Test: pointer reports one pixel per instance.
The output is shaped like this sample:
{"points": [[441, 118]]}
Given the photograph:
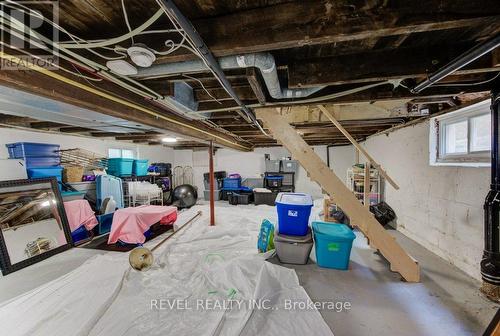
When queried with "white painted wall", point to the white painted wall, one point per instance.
{"points": [[101, 146], [439, 207]]}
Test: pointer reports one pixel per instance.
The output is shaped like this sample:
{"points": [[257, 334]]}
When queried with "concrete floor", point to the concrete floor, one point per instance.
{"points": [[446, 302]]}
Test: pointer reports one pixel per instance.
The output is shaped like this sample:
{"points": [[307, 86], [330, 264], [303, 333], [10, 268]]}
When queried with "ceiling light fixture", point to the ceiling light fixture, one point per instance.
{"points": [[141, 55], [121, 67], [169, 140]]}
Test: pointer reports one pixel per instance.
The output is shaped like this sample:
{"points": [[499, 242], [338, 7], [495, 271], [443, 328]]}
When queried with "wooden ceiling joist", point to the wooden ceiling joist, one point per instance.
{"points": [[310, 22], [381, 65]]}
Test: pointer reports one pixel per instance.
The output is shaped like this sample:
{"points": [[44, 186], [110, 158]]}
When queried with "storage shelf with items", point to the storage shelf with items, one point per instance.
{"points": [[356, 183]]}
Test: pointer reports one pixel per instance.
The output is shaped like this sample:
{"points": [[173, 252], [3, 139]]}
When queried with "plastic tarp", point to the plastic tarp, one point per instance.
{"points": [[214, 278]]}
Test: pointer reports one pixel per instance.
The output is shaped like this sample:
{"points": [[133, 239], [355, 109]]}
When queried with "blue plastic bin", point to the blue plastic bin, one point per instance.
{"points": [[80, 234], [231, 183], [39, 162], [140, 167], [44, 172], [20, 150], [120, 166], [104, 224], [294, 210], [333, 243]]}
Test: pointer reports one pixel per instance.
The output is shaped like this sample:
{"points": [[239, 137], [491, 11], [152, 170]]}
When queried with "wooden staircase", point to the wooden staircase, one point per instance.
{"points": [[360, 216]]}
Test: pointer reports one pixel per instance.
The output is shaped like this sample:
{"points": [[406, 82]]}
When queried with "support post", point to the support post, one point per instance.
{"points": [[490, 264], [366, 186], [356, 145], [211, 181]]}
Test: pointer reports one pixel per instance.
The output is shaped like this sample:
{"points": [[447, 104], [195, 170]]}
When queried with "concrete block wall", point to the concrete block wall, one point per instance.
{"points": [[439, 207]]}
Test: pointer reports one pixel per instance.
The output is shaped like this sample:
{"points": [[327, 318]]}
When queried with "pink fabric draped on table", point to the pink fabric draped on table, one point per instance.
{"points": [[80, 213], [129, 224]]}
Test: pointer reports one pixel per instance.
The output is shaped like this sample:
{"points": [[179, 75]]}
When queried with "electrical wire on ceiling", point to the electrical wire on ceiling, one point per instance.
{"points": [[186, 42], [178, 25], [203, 86], [470, 84]]}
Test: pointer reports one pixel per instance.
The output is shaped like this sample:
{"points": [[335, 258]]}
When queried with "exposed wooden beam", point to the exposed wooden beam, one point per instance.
{"points": [[244, 92], [136, 137], [15, 120], [47, 125], [110, 101], [381, 65], [72, 129], [360, 216], [380, 93], [103, 134], [310, 22], [255, 85]]}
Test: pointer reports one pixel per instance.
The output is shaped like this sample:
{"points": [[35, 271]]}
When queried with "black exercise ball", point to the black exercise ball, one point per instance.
{"points": [[185, 196]]}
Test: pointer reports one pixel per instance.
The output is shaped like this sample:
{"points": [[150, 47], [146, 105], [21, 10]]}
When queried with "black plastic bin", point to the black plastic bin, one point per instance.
{"points": [[268, 198], [273, 181], [218, 175], [239, 198], [163, 168]]}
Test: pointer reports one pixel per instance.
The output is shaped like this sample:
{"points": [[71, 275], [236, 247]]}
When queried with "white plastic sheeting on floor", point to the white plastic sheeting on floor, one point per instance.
{"points": [[206, 281]]}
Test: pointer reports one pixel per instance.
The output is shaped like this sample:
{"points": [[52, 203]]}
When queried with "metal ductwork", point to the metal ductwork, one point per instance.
{"points": [[263, 61]]}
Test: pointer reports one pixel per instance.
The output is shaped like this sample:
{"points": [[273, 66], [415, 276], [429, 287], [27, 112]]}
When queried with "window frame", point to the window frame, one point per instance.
{"points": [[437, 141], [121, 152]]}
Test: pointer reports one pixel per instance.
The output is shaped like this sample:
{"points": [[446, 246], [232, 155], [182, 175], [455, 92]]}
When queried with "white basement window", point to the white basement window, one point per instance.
{"points": [[462, 137], [120, 153]]}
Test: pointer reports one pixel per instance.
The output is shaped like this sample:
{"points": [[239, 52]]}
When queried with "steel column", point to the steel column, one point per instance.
{"points": [[490, 264]]}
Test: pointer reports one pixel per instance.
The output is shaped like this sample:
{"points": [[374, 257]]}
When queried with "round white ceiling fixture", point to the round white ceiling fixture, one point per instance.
{"points": [[169, 139], [121, 67], [141, 55]]}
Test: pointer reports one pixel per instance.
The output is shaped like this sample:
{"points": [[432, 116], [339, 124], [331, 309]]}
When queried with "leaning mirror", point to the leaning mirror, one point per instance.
{"points": [[33, 224]]}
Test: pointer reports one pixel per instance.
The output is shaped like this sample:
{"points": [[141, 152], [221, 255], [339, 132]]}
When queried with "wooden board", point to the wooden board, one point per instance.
{"points": [[330, 116], [360, 216]]}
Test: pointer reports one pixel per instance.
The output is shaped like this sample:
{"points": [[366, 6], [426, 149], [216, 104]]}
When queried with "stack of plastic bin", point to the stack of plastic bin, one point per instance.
{"points": [[42, 160], [293, 239], [219, 176]]}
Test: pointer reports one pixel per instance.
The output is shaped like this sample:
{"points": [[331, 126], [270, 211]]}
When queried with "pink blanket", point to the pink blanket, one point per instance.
{"points": [[79, 213], [129, 224]]}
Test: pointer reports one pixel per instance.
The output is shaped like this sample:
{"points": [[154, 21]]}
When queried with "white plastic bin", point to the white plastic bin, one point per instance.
{"points": [[293, 249]]}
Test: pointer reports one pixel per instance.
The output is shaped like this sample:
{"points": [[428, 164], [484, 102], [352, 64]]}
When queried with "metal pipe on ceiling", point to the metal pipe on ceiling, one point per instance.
{"points": [[264, 61], [205, 54], [458, 63]]}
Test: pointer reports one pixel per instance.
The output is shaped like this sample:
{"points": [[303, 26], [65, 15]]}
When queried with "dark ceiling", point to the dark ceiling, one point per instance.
{"points": [[337, 44]]}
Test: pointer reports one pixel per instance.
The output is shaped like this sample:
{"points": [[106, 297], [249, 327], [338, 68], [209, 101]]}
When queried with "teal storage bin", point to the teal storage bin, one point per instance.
{"points": [[120, 167], [333, 243], [140, 167]]}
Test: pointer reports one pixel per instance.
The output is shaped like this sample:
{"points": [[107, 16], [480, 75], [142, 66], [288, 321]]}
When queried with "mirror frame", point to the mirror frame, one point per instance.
{"points": [[5, 263]]}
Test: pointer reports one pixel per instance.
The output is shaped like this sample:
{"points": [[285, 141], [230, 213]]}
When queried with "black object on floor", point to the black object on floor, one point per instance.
{"points": [[101, 242]]}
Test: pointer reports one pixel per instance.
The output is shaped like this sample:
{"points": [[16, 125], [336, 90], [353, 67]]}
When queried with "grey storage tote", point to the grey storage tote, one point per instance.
{"points": [[273, 166], [293, 249], [289, 166]]}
